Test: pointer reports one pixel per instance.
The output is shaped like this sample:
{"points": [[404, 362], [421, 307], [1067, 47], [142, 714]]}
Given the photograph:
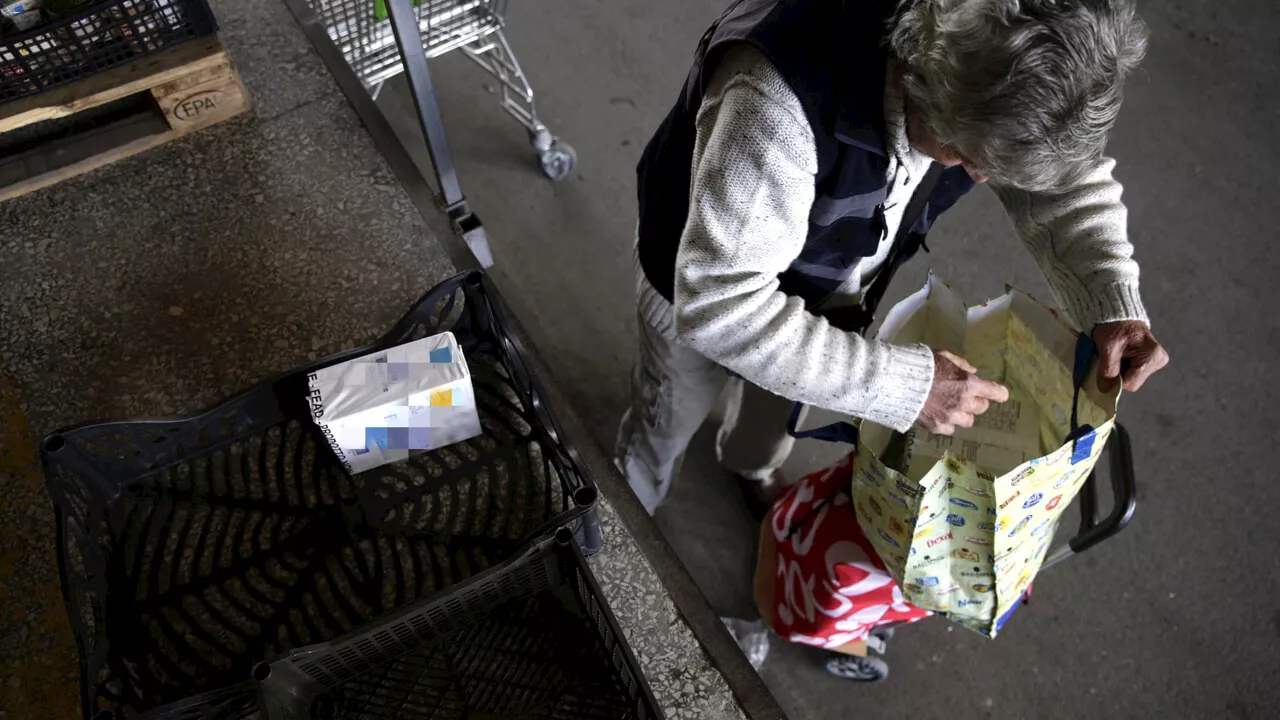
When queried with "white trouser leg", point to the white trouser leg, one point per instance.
{"points": [[753, 440], [673, 389]]}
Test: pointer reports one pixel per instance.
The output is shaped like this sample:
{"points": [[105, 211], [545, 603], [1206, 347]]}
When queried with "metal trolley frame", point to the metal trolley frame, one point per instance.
{"points": [[379, 39]]}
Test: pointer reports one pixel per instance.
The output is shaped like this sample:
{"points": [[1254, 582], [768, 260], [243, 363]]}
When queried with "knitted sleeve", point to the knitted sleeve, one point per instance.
{"points": [[1080, 240], [753, 184]]}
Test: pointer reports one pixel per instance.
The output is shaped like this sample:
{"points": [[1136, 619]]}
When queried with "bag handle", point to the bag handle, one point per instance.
{"points": [[1081, 436], [841, 432]]}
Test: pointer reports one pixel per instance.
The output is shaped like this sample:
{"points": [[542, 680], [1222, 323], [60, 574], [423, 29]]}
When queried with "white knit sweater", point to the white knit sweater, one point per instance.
{"points": [[753, 184]]}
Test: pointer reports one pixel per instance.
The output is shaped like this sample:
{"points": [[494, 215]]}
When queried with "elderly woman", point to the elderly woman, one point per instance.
{"points": [[813, 145]]}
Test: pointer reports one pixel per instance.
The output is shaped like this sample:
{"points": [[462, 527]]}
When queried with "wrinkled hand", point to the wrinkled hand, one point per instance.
{"points": [[958, 394], [1127, 350]]}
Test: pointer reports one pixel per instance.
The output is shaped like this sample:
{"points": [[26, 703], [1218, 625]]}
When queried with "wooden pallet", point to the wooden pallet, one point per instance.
{"points": [[99, 120]]}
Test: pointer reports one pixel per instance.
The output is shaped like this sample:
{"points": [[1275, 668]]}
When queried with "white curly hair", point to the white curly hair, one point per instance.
{"points": [[1025, 90]]}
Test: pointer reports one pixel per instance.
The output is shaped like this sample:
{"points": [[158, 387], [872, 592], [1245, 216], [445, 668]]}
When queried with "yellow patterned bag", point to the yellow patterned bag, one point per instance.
{"points": [[964, 522]]}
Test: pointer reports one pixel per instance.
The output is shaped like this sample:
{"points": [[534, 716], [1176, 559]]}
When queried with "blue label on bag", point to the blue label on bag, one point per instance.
{"points": [[955, 520], [1083, 447], [964, 504]]}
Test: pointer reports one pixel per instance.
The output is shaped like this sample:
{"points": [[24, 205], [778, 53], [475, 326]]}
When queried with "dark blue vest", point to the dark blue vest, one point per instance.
{"points": [[832, 54]]}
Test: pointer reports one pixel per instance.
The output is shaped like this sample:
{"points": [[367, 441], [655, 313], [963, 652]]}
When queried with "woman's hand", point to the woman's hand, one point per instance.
{"points": [[1127, 350], [958, 395]]}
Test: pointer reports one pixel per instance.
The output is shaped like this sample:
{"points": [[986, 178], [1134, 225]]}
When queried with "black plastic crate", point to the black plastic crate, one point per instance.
{"points": [[103, 36], [193, 549], [532, 639]]}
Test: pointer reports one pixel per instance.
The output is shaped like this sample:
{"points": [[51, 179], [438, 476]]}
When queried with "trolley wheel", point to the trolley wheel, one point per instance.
{"points": [[858, 669], [558, 161]]}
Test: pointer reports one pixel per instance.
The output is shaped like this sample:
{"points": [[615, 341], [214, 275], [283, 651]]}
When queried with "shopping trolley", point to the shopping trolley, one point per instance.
{"points": [[368, 43], [379, 39]]}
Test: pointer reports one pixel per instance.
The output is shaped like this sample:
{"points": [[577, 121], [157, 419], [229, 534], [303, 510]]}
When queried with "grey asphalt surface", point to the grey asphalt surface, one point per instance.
{"points": [[1177, 617]]}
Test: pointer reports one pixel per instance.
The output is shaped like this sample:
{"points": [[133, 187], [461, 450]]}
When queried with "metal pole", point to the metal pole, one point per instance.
{"points": [[384, 138], [405, 26]]}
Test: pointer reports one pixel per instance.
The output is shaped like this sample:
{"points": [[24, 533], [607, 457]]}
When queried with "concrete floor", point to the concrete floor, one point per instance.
{"points": [[1177, 617]]}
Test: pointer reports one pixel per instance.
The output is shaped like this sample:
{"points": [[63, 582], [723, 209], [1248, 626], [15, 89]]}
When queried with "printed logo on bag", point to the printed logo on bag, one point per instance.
{"points": [[964, 504], [974, 539], [1004, 523], [895, 527], [871, 479], [977, 573], [966, 554], [955, 467], [1033, 501], [1010, 499], [862, 510], [989, 527], [900, 500], [948, 590], [1053, 503], [1035, 532], [937, 540], [911, 521], [913, 589], [964, 602], [955, 520], [927, 561], [906, 489], [930, 581], [923, 533], [1022, 475], [1021, 524], [1040, 550], [875, 507], [982, 588], [1062, 481], [1022, 583], [900, 558], [985, 476], [888, 538], [976, 491]]}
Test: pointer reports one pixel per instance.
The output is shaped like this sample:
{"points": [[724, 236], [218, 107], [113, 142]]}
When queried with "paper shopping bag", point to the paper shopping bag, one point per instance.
{"points": [[964, 522]]}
